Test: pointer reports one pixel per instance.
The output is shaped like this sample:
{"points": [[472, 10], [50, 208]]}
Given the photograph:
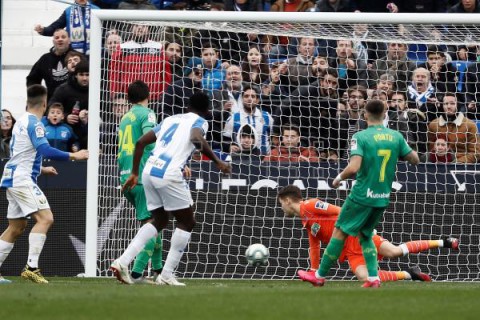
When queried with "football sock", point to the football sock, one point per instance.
{"points": [[141, 261], [5, 249], [179, 242], [35, 247], [370, 255], [157, 257], [420, 245], [331, 254], [393, 275], [147, 232]]}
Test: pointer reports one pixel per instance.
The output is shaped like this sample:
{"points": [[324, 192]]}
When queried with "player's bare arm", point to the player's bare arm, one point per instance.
{"points": [[144, 141], [79, 155], [412, 158], [196, 137], [351, 170]]}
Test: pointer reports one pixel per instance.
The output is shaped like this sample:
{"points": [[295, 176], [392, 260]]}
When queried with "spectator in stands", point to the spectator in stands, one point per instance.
{"points": [[320, 66], [109, 126], [250, 114], [174, 52], [290, 149], [348, 121], [396, 64], [245, 147], [51, 67], [394, 117], [291, 5], [472, 88], [421, 94], [272, 87], [229, 97], [73, 96], [243, 5], [211, 65], [466, 6], [136, 5], [386, 84], [367, 51], [112, 43], [440, 152], [230, 46], [315, 107], [6, 128], [460, 132], [72, 59], [298, 70], [422, 6], [333, 6], [442, 74], [416, 121], [375, 6], [255, 68], [140, 59], [59, 134], [351, 70], [177, 95], [76, 19]]}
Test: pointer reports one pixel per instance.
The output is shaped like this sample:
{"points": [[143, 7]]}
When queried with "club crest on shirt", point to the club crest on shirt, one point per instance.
{"points": [[39, 132], [151, 118], [353, 144], [314, 229]]}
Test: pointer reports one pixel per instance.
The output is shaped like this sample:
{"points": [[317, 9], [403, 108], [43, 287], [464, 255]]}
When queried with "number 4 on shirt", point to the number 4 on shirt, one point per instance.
{"points": [[167, 136]]}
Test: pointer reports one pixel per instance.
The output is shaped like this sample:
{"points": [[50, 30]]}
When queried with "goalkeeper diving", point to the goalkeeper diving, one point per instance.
{"points": [[319, 217]]}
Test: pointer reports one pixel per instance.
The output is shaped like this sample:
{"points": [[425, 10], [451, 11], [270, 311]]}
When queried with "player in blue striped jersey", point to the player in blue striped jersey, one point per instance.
{"points": [[25, 199], [165, 188]]}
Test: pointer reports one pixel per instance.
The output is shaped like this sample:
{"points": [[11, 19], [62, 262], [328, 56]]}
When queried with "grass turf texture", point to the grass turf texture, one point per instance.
{"points": [[75, 298]]}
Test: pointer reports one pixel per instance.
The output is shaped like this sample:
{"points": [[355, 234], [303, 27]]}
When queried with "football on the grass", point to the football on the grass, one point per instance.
{"points": [[257, 255]]}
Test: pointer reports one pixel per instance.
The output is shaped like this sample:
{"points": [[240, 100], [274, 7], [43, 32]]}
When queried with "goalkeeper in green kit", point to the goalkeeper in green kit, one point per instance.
{"points": [[374, 153], [135, 123]]}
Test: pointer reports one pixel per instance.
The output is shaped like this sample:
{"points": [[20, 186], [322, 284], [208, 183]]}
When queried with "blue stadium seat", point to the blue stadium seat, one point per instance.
{"points": [[478, 125], [461, 68], [417, 52]]}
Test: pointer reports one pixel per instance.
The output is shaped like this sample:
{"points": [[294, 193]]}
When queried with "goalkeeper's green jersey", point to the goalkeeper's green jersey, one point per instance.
{"points": [[380, 149], [135, 123]]}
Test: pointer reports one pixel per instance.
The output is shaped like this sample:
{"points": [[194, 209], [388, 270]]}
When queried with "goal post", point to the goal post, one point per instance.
{"points": [[234, 212]]}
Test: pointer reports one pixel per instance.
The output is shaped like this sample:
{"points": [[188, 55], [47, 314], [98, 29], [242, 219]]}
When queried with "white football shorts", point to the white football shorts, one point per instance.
{"points": [[23, 201], [170, 194]]}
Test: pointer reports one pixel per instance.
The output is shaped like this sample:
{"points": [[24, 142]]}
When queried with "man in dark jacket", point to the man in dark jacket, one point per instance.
{"points": [[51, 67], [466, 6]]}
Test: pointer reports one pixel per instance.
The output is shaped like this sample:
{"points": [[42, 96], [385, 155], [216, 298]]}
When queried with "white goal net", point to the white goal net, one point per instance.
{"points": [[269, 83]]}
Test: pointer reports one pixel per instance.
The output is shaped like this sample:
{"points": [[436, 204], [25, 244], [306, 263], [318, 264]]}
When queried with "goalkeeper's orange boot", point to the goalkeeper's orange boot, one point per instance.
{"points": [[418, 275], [450, 242], [310, 277], [372, 284]]}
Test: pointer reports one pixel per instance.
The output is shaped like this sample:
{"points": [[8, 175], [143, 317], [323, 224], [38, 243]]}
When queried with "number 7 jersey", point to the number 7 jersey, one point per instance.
{"points": [[380, 149], [173, 147]]}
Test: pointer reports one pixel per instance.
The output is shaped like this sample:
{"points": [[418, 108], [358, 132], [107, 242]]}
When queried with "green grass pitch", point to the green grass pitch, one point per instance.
{"points": [[77, 298]]}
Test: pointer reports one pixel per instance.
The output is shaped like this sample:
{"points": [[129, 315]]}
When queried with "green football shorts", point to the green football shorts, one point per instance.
{"points": [[136, 197], [355, 218]]}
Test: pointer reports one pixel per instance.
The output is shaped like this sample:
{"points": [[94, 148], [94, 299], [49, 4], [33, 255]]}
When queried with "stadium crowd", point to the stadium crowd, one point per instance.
{"points": [[274, 98]]}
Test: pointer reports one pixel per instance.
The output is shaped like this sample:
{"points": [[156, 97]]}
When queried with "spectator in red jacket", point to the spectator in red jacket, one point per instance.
{"points": [[140, 59], [290, 149]]}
